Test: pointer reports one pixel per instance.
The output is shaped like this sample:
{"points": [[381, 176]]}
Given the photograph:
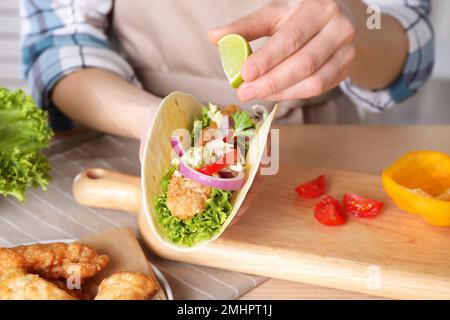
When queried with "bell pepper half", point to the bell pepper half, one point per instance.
{"points": [[419, 183]]}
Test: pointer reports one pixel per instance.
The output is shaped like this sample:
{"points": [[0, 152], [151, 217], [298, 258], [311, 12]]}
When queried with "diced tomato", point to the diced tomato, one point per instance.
{"points": [[312, 189], [226, 160], [329, 212], [360, 206]]}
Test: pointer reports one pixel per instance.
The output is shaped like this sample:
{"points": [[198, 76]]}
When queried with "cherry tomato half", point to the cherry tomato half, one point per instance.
{"points": [[226, 160], [329, 212], [361, 207], [312, 189]]}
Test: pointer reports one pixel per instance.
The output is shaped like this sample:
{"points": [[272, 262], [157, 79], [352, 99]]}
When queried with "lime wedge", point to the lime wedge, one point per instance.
{"points": [[234, 50]]}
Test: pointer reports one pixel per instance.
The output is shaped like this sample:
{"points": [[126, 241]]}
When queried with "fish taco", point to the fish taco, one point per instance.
{"points": [[201, 162]]}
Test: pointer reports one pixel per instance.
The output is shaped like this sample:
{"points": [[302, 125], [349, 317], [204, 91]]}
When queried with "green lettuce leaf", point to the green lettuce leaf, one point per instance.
{"points": [[202, 226], [24, 132], [206, 120], [243, 124]]}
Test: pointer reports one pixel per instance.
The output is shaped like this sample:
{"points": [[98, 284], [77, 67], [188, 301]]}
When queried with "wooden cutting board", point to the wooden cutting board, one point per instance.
{"points": [[394, 255]]}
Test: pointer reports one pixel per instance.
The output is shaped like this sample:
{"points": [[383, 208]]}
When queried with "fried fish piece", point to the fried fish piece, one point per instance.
{"points": [[9, 259], [127, 286], [186, 198], [17, 284], [78, 294], [230, 109], [56, 260]]}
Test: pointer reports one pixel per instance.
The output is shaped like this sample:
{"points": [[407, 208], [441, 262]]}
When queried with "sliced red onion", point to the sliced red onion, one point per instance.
{"points": [[177, 146], [226, 174], [235, 183]]}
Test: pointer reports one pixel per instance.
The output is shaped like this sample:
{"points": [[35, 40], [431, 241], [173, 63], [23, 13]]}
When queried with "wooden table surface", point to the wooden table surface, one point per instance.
{"points": [[366, 149]]}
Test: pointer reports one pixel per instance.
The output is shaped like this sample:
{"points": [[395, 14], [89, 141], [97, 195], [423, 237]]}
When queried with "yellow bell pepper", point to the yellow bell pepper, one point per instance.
{"points": [[419, 183]]}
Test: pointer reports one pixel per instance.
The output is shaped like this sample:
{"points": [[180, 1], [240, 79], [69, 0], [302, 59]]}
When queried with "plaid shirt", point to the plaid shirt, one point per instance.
{"points": [[62, 36]]}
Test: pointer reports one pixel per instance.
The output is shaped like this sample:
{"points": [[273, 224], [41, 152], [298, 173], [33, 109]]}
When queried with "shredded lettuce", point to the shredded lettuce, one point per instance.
{"points": [[202, 226], [23, 133], [243, 124], [243, 127], [206, 120]]}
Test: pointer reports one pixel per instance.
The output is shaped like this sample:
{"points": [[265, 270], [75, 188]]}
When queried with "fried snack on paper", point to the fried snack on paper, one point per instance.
{"points": [[76, 293], [127, 286], [16, 284], [21, 269], [9, 259], [17, 266], [60, 260]]}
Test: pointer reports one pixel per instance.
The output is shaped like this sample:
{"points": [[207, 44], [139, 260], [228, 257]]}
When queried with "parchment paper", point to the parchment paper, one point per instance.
{"points": [[125, 254]]}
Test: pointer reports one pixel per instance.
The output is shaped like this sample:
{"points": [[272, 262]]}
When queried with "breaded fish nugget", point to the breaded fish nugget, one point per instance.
{"points": [[127, 286], [16, 284], [61, 260], [9, 259]]}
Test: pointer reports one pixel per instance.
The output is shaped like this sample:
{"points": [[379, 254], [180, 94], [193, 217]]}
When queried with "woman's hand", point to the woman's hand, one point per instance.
{"points": [[309, 51]]}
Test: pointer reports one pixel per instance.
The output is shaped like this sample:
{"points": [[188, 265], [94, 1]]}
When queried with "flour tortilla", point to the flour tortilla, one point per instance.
{"points": [[180, 110]]}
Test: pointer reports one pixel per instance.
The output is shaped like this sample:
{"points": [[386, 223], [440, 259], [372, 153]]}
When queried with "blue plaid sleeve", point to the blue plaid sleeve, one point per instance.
{"points": [[413, 16], [60, 37]]}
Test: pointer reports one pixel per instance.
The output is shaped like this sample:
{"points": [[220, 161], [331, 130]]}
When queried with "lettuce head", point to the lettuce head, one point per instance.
{"points": [[24, 132]]}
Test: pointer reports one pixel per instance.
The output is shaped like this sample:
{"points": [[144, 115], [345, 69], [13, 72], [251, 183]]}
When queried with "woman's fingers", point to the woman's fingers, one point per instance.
{"points": [[301, 64], [253, 26], [304, 56], [284, 42], [327, 77]]}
